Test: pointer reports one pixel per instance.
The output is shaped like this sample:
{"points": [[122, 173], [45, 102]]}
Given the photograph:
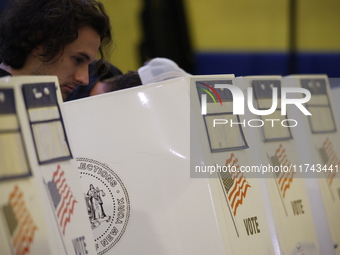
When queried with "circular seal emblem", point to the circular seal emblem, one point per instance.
{"points": [[107, 202]]}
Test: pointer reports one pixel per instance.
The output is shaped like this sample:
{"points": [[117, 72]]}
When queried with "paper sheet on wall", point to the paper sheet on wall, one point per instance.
{"points": [[280, 132], [322, 119], [13, 158], [221, 137], [46, 123]]}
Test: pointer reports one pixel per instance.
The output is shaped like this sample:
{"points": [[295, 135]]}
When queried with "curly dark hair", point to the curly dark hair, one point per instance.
{"points": [[25, 24], [124, 81]]}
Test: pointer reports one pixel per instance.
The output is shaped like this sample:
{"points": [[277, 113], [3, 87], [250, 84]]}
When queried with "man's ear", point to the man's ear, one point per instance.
{"points": [[38, 51]]}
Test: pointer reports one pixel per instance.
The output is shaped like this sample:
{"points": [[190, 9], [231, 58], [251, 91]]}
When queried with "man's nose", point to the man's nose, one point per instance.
{"points": [[82, 75]]}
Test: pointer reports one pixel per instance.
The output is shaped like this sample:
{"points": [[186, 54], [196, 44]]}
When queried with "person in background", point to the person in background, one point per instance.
{"points": [[160, 69], [154, 70], [119, 82], [54, 37]]}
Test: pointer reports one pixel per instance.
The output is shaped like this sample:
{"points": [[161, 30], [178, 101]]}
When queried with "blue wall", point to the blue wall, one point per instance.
{"points": [[242, 64]]}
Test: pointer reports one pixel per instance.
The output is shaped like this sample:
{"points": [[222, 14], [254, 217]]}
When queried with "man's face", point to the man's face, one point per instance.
{"points": [[72, 66]]}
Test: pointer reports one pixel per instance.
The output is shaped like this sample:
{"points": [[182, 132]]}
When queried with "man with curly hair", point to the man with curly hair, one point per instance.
{"points": [[53, 37]]}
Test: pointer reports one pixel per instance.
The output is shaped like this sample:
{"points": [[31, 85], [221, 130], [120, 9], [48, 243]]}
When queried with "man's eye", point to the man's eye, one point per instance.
{"points": [[78, 60]]}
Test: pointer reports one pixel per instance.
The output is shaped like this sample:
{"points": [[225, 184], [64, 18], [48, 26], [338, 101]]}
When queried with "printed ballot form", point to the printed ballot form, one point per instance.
{"points": [[42, 205], [319, 140]]}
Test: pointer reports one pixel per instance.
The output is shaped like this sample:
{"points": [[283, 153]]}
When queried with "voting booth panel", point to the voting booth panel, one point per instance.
{"points": [[319, 138], [42, 203], [237, 196], [277, 150], [163, 169], [137, 160], [335, 95], [134, 145]]}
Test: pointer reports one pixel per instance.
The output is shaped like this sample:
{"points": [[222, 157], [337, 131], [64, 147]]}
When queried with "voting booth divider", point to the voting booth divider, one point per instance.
{"points": [[42, 208], [277, 148], [237, 196], [174, 167], [141, 138], [318, 138]]}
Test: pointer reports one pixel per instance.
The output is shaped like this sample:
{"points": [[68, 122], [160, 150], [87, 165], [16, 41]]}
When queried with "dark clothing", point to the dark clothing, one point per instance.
{"points": [[4, 73], [84, 91]]}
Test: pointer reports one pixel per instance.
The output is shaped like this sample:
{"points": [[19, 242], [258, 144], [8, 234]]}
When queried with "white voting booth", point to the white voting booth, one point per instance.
{"points": [[141, 164], [139, 138], [42, 208]]}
